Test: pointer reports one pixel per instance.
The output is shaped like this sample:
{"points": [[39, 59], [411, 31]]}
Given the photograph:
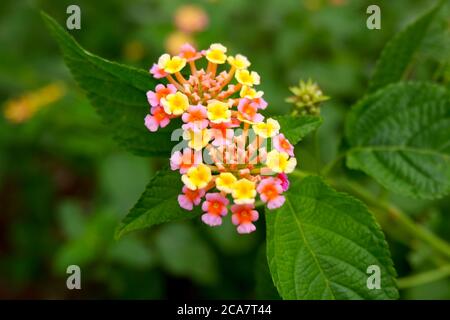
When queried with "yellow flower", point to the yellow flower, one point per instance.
{"points": [[267, 129], [216, 53], [239, 62], [175, 103], [218, 111], [247, 78], [197, 177], [171, 64], [279, 162], [225, 182], [244, 191], [197, 139], [250, 93]]}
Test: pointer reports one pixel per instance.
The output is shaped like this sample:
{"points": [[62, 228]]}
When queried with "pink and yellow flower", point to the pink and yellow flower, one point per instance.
{"points": [[224, 162], [157, 119], [190, 198], [189, 53], [243, 217], [171, 64], [157, 72], [195, 117], [284, 181], [270, 190], [283, 145], [248, 111], [161, 91], [215, 207], [184, 160]]}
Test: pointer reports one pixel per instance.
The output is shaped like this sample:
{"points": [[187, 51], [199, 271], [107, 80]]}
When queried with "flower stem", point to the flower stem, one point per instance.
{"points": [[402, 219], [423, 278], [332, 164]]}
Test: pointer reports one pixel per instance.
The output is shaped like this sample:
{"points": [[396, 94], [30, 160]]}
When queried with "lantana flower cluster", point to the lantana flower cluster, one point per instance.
{"points": [[233, 158]]}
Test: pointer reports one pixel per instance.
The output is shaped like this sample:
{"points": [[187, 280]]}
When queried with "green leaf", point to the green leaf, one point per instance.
{"points": [[400, 136], [296, 127], [321, 242], [158, 204], [397, 54], [118, 93]]}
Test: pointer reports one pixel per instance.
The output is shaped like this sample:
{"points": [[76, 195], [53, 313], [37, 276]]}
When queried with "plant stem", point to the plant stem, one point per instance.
{"points": [[317, 151], [332, 164], [423, 278], [402, 219]]}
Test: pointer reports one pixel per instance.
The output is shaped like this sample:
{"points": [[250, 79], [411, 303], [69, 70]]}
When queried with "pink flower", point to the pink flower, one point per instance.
{"points": [[260, 103], [243, 216], [157, 72], [183, 161], [284, 180], [215, 207], [154, 98], [269, 190], [195, 118], [190, 198], [283, 145], [158, 119], [188, 52], [249, 111], [222, 133]]}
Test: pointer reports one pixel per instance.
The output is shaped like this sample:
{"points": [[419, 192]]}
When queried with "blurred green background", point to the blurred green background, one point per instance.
{"points": [[64, 184]]}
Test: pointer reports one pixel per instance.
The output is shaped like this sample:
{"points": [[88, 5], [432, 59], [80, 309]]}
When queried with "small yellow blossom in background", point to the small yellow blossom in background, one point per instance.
{"points": [[23, 108], [225, 182], [307, 98], [279, 162], [313, 5], [133, 51], [191, 18], [267, 129], [197, 177], [175, 41], [338, 2], [244, 191]]}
